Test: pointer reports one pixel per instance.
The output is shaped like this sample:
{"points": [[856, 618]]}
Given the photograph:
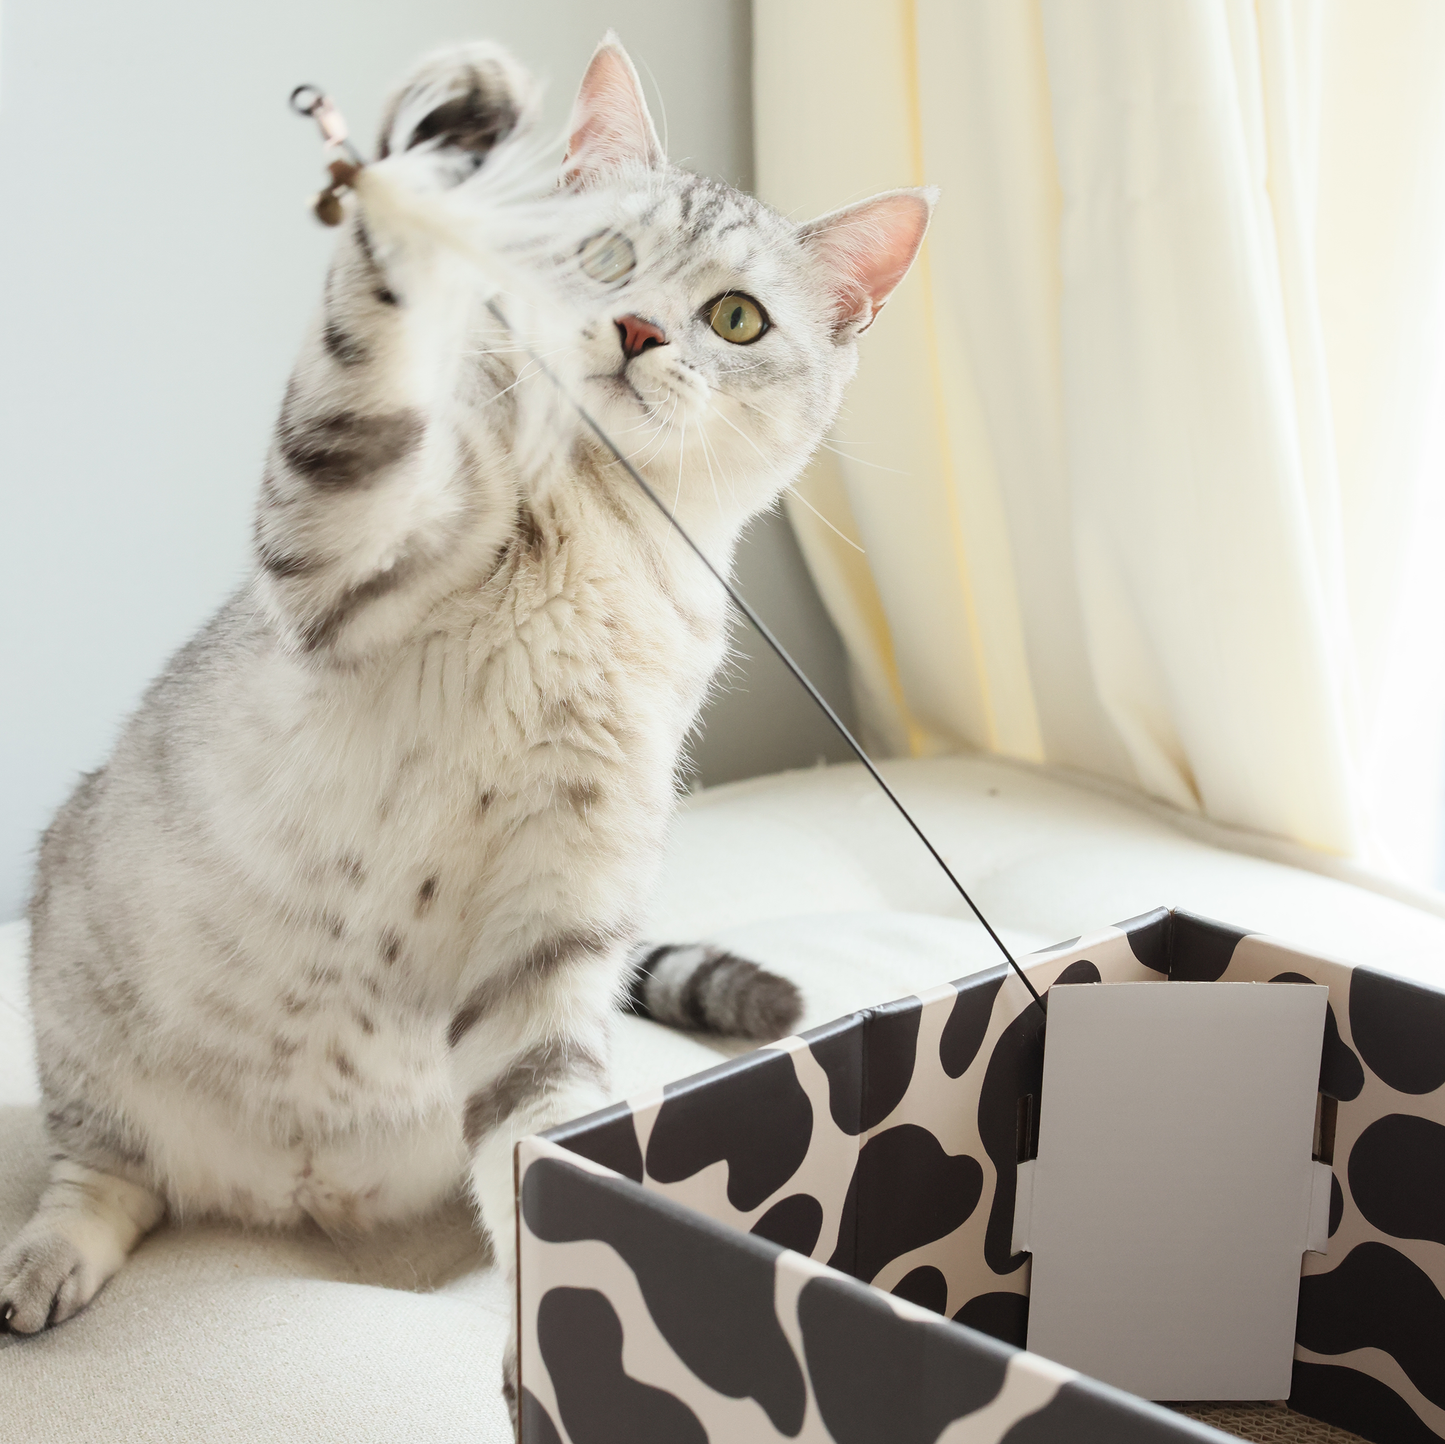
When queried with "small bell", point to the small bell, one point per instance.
{"points": [[327, 206]]}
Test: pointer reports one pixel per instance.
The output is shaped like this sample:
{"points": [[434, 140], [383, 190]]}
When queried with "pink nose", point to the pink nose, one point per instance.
{"points": [[639, 335]]}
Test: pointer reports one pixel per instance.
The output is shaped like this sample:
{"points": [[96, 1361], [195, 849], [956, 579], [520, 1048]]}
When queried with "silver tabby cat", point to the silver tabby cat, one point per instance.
{"points": [[350, 907]]}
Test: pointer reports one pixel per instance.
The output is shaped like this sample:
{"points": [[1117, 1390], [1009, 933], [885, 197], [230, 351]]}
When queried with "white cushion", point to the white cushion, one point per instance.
{"points": [[210, 1333]]}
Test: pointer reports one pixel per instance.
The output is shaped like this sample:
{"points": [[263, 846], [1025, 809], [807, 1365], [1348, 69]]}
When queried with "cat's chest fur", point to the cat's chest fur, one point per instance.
{"points": [[415, 824]]}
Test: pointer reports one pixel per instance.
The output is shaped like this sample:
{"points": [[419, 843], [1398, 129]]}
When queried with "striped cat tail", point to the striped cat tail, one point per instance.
{"points": [[706, 989]]}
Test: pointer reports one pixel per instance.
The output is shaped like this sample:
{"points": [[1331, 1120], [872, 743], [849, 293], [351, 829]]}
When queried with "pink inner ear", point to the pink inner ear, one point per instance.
{"points": [[869, 248], [610, 120]]}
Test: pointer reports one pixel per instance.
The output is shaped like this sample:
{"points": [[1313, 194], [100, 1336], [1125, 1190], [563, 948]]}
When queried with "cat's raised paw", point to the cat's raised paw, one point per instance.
{"points": [[466, 99]]}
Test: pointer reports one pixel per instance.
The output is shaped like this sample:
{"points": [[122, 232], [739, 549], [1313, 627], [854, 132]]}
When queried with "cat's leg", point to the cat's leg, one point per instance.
{"points": [[86, 1224], [552, 1068], [550, 1084], [381, 494]]}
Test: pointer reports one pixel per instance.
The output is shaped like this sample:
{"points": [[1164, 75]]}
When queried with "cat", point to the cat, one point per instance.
{"points": [[350, 906]]}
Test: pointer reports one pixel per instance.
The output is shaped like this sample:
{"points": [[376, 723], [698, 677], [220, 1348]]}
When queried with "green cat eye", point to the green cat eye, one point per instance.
{"points": [[737, 318], [607, 257]]}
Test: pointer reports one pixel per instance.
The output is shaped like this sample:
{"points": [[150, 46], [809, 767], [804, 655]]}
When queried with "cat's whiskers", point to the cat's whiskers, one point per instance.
{"points": [[792, 490], [721, 417], [648, 418], [532, 369], [727, 477], [826, 445], [658, 437], [666, 434], [712, 476], [859, 461]]}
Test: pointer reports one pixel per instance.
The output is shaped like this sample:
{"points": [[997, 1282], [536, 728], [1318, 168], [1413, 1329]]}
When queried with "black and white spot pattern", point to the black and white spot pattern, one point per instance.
{"points": [[725, 1298]]}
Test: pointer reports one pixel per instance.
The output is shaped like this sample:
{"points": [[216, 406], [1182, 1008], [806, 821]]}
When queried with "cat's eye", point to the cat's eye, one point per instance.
{"points": [[737, 318], [608, 257]]}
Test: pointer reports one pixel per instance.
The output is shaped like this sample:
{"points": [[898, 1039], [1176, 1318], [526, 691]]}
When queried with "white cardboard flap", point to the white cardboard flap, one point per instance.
{"points": [[1023, 1208], [1174, 1193], [1321, 1186]]}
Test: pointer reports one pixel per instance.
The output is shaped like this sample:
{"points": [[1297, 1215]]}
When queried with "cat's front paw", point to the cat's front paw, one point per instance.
{"points": [[44, 1278], [465, 99]]}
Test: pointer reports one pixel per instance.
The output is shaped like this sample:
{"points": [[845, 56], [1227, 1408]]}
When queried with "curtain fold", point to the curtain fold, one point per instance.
{"points": [[1144, 458]]}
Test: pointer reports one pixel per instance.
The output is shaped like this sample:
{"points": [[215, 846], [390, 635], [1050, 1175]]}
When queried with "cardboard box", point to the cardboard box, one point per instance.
{"points": [[696, 1265]]}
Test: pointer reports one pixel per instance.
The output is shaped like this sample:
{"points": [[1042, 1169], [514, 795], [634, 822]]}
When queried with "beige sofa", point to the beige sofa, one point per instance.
{"points": [[216, 1335]]}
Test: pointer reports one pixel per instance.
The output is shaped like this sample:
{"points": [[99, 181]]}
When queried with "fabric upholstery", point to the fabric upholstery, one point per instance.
{"points": [[211, 1333]]}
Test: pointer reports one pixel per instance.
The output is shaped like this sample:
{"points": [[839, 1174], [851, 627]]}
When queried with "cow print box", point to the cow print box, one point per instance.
{"points": [[695, 1265]]}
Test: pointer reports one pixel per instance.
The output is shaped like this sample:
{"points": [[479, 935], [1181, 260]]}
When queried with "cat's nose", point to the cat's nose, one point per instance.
{"points": [[639, 335]]}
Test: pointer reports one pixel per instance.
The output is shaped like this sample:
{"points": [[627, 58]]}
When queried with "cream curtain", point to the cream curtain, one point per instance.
{"points": [[1144, 457]]}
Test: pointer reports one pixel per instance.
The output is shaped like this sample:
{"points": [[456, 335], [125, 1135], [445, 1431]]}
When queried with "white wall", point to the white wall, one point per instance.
{"points": [[159, 266]]}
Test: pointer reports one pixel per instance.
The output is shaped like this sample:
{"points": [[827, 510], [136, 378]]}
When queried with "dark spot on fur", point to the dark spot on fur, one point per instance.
{"points": [[473, 122], [465, 1019], [284, 1047], [536, 1070], [529, 534], [281, 565], [363, 242], [484, 801], [386, 296], [390, 947], [340, 1060], [352, 869], [535, 966], [321, 630], [547, 957], [364, 1022], [334, 925], [344, 348], [581, 796], [426, 892], [293, 1004], [348, 448], [94, 1135]]}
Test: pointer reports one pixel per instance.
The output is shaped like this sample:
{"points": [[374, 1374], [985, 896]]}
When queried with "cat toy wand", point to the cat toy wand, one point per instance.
{"points": [[309, 100]]}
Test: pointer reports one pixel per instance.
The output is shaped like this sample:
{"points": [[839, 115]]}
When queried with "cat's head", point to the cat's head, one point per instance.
{"points": [[730, 334]]}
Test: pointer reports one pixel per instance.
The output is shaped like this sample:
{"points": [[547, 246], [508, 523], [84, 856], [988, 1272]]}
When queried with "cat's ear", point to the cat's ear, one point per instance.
{"points": [[866, 250], [610, 122]]}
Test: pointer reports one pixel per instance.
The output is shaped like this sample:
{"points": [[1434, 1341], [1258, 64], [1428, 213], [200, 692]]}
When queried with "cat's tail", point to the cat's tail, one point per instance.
{"points": [[703, 988]]}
